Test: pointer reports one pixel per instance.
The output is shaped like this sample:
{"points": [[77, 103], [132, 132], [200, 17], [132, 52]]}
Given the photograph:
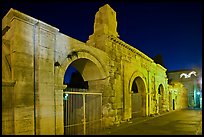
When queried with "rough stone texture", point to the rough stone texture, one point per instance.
{"points": [[30, 50], [8, 108], [178, 93]]}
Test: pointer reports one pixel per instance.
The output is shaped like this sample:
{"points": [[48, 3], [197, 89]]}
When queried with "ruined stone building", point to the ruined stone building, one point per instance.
{"points": [[35, 56]]}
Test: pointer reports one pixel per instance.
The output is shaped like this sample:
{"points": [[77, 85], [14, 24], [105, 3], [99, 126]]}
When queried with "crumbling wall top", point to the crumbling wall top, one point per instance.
{"points": [[105, 21]]}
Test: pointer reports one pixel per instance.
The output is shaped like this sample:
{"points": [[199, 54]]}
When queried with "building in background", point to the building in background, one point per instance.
{"points": [[192, 80], [178, 96]]}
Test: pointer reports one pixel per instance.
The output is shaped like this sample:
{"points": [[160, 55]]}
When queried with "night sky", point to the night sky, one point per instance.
{"points": [[170, 29]]}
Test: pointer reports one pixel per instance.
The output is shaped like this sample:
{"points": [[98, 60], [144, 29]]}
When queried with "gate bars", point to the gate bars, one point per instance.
{"points": [[82, 112]]}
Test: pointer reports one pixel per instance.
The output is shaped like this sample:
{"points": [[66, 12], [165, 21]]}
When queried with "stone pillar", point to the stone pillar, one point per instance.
{"points": [[32, 62], [147, 106], [21, 47], [45, 104], [127, 108], [59, 110], [157, 102], [148, 94]]}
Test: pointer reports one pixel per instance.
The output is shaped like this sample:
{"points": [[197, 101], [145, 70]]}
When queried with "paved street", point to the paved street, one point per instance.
{"points": [[180, 122]]}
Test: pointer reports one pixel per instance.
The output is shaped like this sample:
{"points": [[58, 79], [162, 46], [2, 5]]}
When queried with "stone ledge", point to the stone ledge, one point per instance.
{"points": [[8, 83], [15, 14]]}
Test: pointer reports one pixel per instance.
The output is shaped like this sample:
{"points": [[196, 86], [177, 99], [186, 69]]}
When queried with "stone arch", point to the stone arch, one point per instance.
{"points": [[138, 99], [90, 67], [93, 71], [6, 68]]}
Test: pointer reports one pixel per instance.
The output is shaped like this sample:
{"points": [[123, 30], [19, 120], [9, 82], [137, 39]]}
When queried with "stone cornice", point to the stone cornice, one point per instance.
{"points": [[15, 14], [161, 67], [129, 47], [8, 83]]}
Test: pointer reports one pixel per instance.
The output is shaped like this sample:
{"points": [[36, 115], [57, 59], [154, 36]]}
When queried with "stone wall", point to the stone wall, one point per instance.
{"points": [[32, 64], [179, 94], [108, 64], [8, 108], [123, 63]]}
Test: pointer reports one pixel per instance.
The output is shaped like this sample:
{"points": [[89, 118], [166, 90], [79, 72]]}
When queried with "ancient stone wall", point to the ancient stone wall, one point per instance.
{"points": [[36, 56], [32, 69], [124, 62]]}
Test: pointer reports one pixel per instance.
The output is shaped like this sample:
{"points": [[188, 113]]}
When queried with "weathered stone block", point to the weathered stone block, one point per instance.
{"points": [[45, 64], [46, 125], [59, 120], [8, 127], [7, 97], [24, 120], [46, 39], [45, 92], [22, 59], [24, 94], [23, 74], [46, 111], [60, 56], [22, 45], [59, 99], [23, 29], [62, 43], [45, 76], [45, 53], [24, 99]]}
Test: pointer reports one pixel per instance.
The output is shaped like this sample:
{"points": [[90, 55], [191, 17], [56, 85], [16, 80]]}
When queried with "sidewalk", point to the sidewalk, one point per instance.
{"points": [[129, 123]]}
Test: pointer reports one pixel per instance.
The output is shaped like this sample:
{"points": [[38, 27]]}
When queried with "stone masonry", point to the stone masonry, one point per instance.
{"points": [[32, 85]]}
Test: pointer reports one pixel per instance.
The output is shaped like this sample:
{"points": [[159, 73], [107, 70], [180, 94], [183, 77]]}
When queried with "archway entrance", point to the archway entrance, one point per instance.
{"points": [[82, 98], [173, 104], [138, 97], [161, 98]]}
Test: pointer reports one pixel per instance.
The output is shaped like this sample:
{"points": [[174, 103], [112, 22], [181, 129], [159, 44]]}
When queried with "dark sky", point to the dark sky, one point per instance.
{"points": [[170, 29]]}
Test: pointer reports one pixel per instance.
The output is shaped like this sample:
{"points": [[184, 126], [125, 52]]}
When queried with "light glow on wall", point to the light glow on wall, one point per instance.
{"points": [[200, 81], [188, 75], [198, 93]]}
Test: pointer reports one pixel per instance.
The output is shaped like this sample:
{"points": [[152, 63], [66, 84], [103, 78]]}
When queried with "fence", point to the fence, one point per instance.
{"points": [[82, 112]]}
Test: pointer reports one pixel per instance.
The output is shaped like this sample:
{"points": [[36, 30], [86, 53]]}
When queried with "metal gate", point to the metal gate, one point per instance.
{"points": [[82, 112]]}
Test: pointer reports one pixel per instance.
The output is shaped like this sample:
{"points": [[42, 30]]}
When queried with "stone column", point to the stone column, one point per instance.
{"points": [[21, 47], [59, 109], [148, 94], [58, 89], [147, 104], [126, 95], [44, 78], [150, 104]]}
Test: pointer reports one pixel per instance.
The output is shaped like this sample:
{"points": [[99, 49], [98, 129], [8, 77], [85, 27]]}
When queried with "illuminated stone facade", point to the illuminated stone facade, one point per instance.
{"points": [[36, 56], [178, 96], [191, 81]]}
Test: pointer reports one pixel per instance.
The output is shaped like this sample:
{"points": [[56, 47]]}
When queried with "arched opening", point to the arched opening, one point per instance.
{"points": [[82, 75], [173, 104], [161, 98], [138, 97], [74, 80]]}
